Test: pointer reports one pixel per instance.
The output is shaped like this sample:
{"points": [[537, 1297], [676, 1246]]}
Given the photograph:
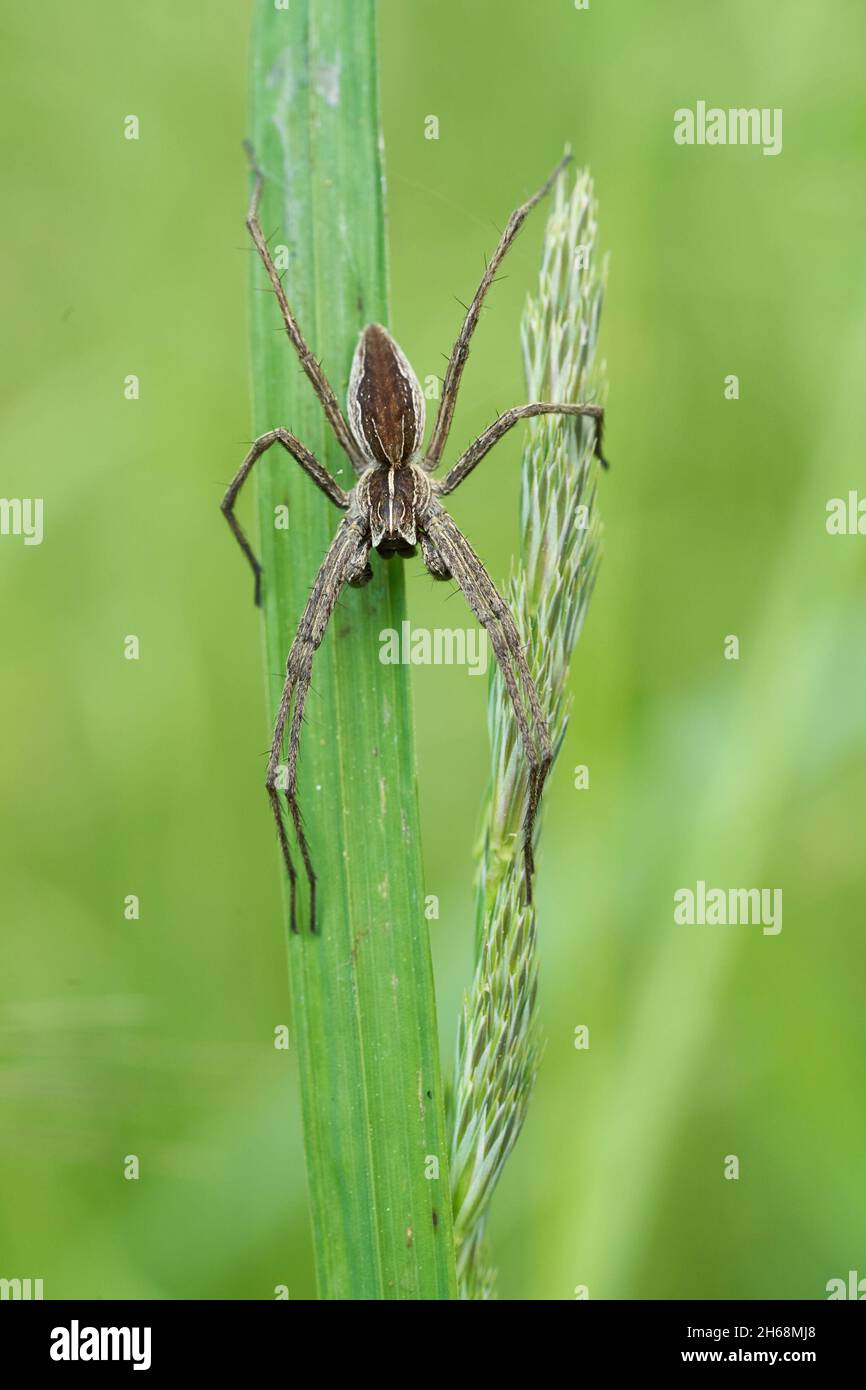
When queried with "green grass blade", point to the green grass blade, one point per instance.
{"points": [[362, 991]]}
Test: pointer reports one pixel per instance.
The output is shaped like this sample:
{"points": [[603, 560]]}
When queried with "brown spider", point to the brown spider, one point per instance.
{"points": [[392, 508]]}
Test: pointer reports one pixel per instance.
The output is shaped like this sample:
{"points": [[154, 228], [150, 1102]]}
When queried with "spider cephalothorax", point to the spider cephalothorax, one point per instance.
{"points": [[394, 507]]}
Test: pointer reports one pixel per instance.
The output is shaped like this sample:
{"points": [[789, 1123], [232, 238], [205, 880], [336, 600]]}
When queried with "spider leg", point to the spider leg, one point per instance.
{"points": [[311, 467], [460, 351], [346, 558], [285, 849], [492, 435], [302, 688], [493, 613], [434, 562], [309, 362]]}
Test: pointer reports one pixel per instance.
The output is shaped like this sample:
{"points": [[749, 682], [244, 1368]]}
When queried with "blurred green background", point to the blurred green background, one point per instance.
{"points": [[155, 1037]]}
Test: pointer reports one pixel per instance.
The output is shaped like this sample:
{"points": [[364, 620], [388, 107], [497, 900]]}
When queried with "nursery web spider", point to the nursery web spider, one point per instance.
{"points": [[393, 507]]}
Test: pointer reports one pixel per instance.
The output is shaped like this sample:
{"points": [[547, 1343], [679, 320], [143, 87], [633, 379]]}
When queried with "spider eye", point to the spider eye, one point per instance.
{"points": [[386, 407]]}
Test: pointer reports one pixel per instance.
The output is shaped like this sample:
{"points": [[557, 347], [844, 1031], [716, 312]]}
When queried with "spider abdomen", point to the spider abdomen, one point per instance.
{"points": [[385, 401]]}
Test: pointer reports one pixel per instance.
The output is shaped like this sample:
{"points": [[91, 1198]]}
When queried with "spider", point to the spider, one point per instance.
{"points": [[393, 507]]}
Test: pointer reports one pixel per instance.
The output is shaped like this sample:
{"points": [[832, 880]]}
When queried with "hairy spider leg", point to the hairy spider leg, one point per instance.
{"points": [[344, 563], [308, 360], [311, 467], [495, 616], [460, 351], [492, 435]]}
